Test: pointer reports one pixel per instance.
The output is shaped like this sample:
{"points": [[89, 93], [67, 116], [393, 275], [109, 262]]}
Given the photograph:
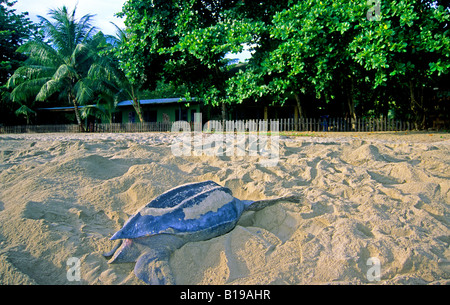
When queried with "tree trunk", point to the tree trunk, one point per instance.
{"points": [[77, 112], [351, 102], [137, 107], [351, 105], [299, 106], [417, 108], [299, 109], [224, 112]]}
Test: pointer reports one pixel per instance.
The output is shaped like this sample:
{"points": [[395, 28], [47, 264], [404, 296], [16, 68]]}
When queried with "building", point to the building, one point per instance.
{"points": [[154, 110], [175, 109], [158, 110]]}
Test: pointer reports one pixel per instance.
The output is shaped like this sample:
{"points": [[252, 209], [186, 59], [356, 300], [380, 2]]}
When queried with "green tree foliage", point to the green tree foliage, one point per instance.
{"points": [[353, 56], [15, 29], [331, 50], [184, 42], [307, 54], [129, 84], [408, 49], [345, 56], [104, 79]]}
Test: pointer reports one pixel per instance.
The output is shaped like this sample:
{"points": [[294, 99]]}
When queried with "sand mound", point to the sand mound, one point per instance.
{"points": [[362, 197]]}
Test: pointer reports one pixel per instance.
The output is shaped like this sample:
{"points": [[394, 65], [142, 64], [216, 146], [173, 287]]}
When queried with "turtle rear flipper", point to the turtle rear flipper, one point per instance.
{"points": [[153, 268], [261, 204]]}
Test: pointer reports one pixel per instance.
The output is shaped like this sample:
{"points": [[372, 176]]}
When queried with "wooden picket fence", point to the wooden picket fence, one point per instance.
{"points": [[303, 124], [132, 127], [343, 124], [68, 128]]}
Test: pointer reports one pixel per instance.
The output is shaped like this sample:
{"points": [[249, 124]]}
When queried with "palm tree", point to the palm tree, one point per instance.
{"points": [[127, 88], [105, 79], [61, 65]]}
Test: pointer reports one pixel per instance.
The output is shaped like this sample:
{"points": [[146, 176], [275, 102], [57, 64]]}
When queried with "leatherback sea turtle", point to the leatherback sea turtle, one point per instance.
{"points": [[188, 213]]}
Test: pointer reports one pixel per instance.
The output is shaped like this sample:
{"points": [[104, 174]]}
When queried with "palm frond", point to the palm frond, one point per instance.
{"points": [[26, 73], [103, 71], [24, 110], [27, 90], [84, 92], [53, 32], [84, 28], [40, 53], [81, 55], [65, 33], [93, 110], [121, 35], [65, 73], [49, 88]]}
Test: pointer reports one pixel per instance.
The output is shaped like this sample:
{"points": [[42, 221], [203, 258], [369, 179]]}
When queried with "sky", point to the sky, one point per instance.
{"points": [[103, 9]]}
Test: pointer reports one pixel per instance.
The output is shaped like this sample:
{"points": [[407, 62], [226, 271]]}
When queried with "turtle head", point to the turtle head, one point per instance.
{"points": [[118, 235], [129, 230]]}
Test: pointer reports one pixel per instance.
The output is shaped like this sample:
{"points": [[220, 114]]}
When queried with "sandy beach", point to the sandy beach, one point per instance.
{"points": [[363, 195]]}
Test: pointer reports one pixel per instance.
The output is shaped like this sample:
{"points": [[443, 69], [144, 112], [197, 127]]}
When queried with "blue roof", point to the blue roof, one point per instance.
{"points": [[130, 103], [156, 101], [61, 108]]}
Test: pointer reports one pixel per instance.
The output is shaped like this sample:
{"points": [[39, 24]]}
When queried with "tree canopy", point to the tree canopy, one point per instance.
{"points": [[352, 56], [15, 29], [348, 58], [65, 64]]}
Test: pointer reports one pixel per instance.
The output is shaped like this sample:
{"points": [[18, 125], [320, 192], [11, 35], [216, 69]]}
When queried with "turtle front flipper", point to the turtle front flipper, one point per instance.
{"points": [[127, 251], [109, 254], [153, 268]]}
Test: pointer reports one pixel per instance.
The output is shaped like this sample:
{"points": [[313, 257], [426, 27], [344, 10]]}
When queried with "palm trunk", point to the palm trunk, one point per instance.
{"points": [[77, 112]]}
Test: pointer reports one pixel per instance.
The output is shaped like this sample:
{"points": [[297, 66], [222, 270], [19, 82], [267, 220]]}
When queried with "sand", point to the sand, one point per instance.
{"points": [[363, 195]]}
